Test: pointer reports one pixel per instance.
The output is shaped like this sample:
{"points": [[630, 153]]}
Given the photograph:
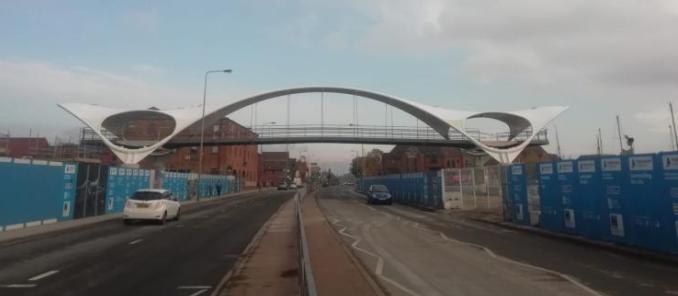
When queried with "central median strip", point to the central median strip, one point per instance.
{"points": [[335, 269], [268, 265]]}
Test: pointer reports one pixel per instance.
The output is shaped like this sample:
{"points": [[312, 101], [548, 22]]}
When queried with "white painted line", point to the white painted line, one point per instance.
{"points": [[33, 223], [505, 259], [42, 276], [18, 286], [56, 163], [39, 162], [14, 226], [134, 242], [193, 287], [22, 161], [5, 159], [199, 292], [379, 268], [49, 221], [201, 289], [671, 292]]}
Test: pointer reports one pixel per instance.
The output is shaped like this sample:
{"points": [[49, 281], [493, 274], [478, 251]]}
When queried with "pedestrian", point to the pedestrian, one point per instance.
{"points": [[258, 186]]}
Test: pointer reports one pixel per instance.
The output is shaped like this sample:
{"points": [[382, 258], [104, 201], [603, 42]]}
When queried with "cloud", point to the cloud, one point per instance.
{"points": [[600, 43], [30, 91]]}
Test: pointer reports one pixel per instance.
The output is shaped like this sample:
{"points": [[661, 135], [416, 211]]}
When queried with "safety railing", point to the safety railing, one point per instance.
{"points": [[306, 279]]}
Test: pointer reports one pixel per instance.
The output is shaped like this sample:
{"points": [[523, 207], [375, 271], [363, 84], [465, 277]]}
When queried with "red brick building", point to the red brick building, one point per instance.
{"points": [[22, 147], [404, 159], [238, 160], [274, 168]]}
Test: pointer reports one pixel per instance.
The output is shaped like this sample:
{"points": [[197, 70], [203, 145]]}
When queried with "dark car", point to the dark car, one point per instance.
{"points": [[378, 194]]}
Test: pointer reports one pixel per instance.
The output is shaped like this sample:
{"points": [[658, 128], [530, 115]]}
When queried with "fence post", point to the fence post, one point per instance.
{"points": [[473, 181], [487, 185], [461, 190]]}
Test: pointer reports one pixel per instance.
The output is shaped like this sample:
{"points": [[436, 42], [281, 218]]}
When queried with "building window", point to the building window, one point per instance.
{"points": [[215, 149]]}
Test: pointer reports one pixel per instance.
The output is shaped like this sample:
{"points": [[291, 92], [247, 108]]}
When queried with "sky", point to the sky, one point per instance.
{"points": [[601, 58]]}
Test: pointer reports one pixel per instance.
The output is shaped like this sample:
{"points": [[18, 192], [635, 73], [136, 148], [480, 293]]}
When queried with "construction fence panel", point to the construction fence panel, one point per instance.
{"points": [[35, 192]]}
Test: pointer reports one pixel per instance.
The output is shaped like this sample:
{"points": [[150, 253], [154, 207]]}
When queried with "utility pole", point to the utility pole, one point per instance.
{"points": [[673, 142], [621, 147], [558, 142], [673, 122], [600, 142]]}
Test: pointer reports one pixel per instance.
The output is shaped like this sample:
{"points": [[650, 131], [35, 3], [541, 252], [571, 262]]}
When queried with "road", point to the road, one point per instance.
{"points": [[413, 252], [108, 258]]}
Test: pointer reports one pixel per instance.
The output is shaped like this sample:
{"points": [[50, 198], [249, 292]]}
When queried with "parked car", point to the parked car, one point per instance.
{"points": [[151, 204], [293, 186], [282, 186], [379, 194]]}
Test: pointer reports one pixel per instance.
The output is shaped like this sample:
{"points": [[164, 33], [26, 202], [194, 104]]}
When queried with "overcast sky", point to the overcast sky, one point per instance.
{"points": [[600, 57]]}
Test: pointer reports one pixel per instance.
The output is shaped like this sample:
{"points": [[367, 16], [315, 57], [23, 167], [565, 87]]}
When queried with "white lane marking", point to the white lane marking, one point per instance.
{"points": [[671, 292], [201, 289], [505, 259], [19, 286], [199, 292], [134, 242], [498, 257], [379, 269], [193, 287], [43, 275]]}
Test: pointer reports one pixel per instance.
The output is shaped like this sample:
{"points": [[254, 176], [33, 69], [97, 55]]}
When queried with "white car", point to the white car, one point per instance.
{"points": [[151, 204], [293, 186]]}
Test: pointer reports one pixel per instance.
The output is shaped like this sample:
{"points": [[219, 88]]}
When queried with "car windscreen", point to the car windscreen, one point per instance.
{"points": [[145, 195], [379, 188]]}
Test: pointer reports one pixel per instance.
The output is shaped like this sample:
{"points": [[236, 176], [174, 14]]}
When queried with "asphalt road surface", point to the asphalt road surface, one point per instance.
{"points": [[413, 252], [186, 257]]}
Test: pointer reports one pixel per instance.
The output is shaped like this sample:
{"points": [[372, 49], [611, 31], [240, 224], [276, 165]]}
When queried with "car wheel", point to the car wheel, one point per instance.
{"points": [[164, 218], [178, 215], [126, 221]]}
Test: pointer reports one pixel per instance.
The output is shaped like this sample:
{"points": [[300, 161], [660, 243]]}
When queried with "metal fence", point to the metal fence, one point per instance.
{"points": [[478, 188], [306, 279]]}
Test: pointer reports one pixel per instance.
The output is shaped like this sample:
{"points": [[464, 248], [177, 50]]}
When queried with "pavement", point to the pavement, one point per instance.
{"points": [[271, 267], [414, 252], [186, 257]]}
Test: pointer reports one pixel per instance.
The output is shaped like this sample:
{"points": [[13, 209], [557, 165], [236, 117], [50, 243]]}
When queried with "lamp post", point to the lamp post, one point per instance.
{"points": [[202, 126]]}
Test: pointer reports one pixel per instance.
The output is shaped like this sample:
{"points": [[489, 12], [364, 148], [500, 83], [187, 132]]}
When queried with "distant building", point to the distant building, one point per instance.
{"points": [[239, 160], [274, 168], [404, 159], [19, 147]]}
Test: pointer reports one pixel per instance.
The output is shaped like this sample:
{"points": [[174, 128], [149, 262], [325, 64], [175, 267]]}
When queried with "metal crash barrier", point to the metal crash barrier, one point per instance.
{"points": [[306, 280]]}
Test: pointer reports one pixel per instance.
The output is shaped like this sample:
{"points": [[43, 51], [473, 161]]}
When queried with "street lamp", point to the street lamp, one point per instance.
{"points": [[202, 126]]}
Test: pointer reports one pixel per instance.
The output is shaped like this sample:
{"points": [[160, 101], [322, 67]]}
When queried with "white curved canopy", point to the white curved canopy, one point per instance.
{"points": [[440, 119]]}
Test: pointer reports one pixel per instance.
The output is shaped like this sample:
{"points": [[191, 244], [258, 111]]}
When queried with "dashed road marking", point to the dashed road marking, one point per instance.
{"points": [[200, 289], [134, 242], [19, 286], [43, 275]]}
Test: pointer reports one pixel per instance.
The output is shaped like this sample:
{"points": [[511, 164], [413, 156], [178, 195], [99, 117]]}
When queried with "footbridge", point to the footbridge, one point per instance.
{"points": [[440, 126]]}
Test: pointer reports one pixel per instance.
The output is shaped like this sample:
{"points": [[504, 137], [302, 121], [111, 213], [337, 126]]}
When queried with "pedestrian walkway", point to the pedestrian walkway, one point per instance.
{"points": [[271, 268], [335, 271]]}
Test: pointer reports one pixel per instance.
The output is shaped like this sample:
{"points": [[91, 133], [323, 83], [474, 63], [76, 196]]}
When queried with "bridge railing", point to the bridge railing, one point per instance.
{"points": [[342, 131]]}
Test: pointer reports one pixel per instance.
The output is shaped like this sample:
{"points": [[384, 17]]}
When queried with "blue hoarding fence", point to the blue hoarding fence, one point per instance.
{"points": [[122, 183], [422, 189], [35, 192], [518, 194], [631, 200]]}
